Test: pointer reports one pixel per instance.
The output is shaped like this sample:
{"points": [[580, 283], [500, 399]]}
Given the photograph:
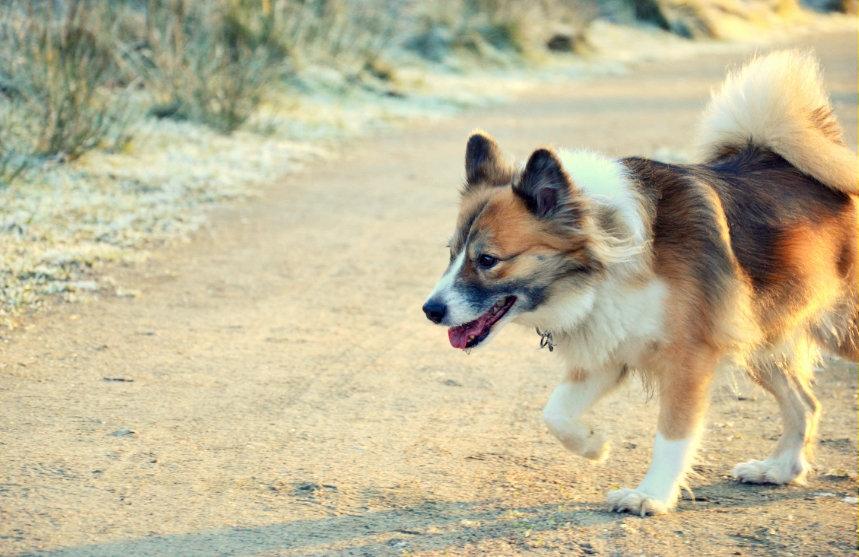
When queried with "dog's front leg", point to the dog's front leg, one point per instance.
{"points": [[570, 400], [683, 396]]}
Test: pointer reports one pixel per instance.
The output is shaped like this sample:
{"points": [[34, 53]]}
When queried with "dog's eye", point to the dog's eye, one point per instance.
{"points": [[485, 261]]}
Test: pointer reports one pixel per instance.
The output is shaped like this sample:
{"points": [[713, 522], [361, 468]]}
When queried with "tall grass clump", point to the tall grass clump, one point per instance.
{"points": [[211, 62], [479, 27], [70, 69], [347, 35], [60, 95], [208, 62]]}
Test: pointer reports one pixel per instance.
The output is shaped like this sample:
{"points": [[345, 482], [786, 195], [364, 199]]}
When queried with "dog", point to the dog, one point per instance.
{"points": [[745, 260]]}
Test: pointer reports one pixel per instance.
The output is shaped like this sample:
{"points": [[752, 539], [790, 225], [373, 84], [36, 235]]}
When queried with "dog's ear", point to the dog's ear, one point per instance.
{"points": [[484, 163], [548, 191]]}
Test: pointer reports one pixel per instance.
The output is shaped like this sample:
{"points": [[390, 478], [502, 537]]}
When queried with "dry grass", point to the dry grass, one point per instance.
{"points": [[120, 121], [73, 73], [66, 67], [58, 80], [208, 63], [496, 29]]}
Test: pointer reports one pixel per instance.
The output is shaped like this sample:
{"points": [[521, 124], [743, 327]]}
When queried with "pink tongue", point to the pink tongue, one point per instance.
{"points": [[458, 336]]}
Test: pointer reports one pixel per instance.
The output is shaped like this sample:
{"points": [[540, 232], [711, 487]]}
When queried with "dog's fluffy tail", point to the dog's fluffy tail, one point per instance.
{"points": [[777, 102]]}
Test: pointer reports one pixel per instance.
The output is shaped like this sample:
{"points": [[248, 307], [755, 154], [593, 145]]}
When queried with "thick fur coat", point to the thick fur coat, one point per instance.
{"points": [[746, 259]]}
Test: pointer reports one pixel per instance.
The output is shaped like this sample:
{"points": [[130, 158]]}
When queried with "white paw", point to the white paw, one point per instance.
{"points": [[577, 438], [636, 502], [596, 448], [777, 471]]}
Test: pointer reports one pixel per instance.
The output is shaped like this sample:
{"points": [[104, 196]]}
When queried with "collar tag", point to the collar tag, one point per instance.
{"points": [[546, 340]]}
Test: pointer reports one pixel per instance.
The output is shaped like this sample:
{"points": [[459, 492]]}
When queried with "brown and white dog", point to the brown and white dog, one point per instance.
{"points": [[747, 260]]}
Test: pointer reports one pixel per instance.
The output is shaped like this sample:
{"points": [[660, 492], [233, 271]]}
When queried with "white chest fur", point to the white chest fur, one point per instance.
{"points": [[621, 325]]}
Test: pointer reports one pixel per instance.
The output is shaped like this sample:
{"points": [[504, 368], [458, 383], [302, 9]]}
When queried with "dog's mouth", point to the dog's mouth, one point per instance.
{"points": [[469, 335]]}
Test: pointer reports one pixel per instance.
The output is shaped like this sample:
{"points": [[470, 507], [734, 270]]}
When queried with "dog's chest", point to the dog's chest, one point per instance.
{"points": [[622, 328]]}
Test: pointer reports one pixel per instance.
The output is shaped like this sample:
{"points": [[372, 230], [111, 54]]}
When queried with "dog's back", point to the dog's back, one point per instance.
{"points": [[788, 187], [771, 212], [758, 243]]}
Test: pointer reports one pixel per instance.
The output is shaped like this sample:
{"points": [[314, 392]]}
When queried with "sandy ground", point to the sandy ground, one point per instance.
{"points": [[276, 391]]}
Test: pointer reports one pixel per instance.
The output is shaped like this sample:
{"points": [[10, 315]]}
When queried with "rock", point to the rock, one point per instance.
{"points": [[127, 293], [683, 18], [124, 432], [308, 488], [433, 44], [305, 488], [828, 5], [561, 42]]}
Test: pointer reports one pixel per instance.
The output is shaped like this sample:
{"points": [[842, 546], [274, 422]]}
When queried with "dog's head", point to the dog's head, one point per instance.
{"points": [[526, 247]]}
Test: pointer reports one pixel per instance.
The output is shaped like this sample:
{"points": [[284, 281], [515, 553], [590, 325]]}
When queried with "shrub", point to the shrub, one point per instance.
{"points": [[58, 83], [495, 29], [208, 62]]}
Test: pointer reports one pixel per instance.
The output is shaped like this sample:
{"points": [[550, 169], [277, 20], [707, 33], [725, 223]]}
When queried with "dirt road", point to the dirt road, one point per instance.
{"points": [[276, 391]]}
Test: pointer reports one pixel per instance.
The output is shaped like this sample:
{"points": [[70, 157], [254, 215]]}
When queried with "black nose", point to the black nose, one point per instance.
{"points": [[435, 311]]}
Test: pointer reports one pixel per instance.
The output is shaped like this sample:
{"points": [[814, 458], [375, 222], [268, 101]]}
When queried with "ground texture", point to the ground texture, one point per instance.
{"points": [[274, 389]]}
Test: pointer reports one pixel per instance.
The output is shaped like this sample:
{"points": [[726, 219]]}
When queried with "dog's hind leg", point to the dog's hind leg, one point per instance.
{"points": [[789, 380], [570, 400], [684, 387]]}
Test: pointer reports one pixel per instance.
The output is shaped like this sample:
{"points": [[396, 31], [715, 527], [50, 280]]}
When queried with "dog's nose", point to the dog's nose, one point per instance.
{"points": [[435, 311]]}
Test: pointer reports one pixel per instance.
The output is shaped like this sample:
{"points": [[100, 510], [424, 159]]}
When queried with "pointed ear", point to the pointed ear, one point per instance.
{"points": [[547, 190], [484, 163]]}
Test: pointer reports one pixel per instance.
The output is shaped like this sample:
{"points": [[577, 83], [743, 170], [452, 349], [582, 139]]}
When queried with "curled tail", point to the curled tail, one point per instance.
{"points": [[777, 102]]}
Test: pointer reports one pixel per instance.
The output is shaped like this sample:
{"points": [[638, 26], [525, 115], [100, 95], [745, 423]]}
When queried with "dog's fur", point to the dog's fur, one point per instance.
{"points": [[747, 259]]}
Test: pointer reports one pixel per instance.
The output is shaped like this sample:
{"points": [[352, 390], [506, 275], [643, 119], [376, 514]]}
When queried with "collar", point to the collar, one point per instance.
{"points": [[546, 340]]}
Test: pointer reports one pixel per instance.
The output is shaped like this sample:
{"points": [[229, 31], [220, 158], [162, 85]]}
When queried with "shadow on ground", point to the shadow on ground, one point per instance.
{"points": [[425, 527]]}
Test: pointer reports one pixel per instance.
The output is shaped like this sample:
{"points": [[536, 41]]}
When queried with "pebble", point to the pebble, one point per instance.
{"points": [[127, 293], [307, 487]]}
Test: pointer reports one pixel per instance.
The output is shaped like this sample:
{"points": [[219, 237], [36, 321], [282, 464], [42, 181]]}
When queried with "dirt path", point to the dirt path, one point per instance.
{"points": [[275, 389]]}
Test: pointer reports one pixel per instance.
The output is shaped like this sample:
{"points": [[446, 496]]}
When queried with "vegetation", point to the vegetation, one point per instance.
{"points": [[79, 74], [169, 106], [73, 72], [58, 84]]}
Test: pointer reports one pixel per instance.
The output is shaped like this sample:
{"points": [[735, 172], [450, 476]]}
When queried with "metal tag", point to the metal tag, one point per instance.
{"points": [[546, 340]]}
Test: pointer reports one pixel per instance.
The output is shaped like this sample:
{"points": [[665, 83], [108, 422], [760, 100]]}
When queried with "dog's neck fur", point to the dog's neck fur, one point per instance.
{"points": [[611, 321], [606, 182], [614, 318]]}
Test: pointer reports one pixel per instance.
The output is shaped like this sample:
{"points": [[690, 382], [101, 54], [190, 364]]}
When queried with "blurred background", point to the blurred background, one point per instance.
{"points": [[253, 198], [120, 119]]}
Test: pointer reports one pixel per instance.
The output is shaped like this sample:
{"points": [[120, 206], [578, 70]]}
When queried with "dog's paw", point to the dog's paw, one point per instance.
{"points": [[596, 448], [777, 471], [636, 502], [577, 438]]}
